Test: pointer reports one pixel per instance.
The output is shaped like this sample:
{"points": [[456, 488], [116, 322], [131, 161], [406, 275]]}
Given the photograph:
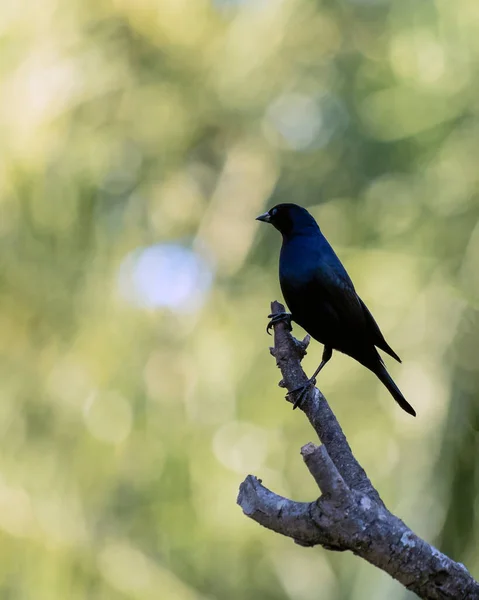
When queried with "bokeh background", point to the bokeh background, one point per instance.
{"points": [[138, 140]]}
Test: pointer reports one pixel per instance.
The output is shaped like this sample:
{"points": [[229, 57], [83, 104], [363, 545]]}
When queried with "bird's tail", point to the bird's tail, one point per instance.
{"points": [[387, 380]]}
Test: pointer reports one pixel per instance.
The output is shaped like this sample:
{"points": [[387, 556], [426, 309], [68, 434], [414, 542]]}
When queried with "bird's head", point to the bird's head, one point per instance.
{"points": [[289, 219]]}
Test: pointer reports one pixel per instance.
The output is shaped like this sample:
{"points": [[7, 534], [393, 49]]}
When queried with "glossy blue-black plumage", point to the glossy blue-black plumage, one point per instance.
{"points": [[321, 296]]}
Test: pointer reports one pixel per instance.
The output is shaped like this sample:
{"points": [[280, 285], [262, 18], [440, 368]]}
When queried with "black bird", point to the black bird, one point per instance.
{"points": [[322, 298]]}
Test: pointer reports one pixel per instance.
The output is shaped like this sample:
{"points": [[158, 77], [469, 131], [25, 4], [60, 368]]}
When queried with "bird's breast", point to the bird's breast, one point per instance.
{"points": [[297, 280], [298, 263]]}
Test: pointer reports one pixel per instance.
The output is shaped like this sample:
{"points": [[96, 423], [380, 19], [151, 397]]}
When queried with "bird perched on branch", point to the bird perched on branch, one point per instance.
{"points": [[322, 298]]}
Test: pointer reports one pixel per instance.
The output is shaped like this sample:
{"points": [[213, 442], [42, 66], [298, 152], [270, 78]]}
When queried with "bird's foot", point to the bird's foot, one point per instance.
{"points": [[300, 392], [277, 318]]}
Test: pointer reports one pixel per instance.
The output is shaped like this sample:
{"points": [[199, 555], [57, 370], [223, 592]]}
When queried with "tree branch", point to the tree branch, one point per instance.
{"points": [[289, 352], [349, 514]]}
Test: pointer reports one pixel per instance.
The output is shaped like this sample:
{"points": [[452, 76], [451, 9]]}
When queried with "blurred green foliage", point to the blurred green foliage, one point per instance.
{"points": [[135, 397]]}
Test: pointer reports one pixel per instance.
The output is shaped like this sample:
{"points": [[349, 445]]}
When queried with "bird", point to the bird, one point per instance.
{"points": [[322, 299]]}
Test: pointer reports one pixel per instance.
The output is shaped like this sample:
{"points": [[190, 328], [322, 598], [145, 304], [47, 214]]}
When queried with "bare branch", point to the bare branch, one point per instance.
{"points": [[284, 516], [349, 515]]}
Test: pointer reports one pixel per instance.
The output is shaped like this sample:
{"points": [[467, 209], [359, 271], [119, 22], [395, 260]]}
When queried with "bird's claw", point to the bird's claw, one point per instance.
{"points": [[301, 391], [277, 318]]}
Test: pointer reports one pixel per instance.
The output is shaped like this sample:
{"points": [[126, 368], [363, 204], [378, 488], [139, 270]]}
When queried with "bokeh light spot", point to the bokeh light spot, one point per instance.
{"points": [[108, 417], [125, 567], [165, 275], [303, 121], [16, 515], [240, 446]]}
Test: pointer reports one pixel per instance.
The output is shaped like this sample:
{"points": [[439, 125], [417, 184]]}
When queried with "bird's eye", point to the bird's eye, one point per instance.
{"points": [[274, 211]]}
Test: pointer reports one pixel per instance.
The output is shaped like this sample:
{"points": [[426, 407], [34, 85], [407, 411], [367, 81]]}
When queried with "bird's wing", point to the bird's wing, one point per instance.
{"points": [[338, 290], [377, 336], [351, 310], [334, 291]]}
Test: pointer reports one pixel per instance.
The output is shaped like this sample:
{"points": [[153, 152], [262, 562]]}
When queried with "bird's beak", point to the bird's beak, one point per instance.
{"points": [[265, 217]]}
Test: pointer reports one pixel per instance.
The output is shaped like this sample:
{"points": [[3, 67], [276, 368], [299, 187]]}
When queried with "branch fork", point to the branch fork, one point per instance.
{"points": [[349, 513]]}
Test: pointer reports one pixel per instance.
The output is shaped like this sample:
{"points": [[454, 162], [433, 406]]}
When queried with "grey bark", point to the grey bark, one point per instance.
{"points": [[349, 514]]}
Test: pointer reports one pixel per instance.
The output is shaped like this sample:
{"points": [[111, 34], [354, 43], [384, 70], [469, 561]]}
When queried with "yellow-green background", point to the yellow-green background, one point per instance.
{"points": [[126, 428]]}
